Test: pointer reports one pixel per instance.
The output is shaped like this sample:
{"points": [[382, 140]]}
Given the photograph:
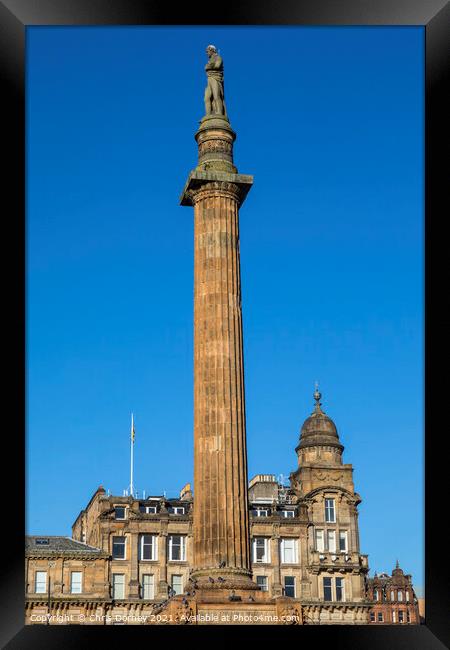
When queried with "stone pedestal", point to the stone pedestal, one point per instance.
{"points": [[211, 607]]}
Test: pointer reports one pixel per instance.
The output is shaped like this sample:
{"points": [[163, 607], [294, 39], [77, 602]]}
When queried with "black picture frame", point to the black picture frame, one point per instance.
{"points": [[15, 16]]}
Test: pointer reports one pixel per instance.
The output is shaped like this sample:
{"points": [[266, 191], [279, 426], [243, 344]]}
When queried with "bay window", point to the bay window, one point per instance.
{"points": [[331, 541]]}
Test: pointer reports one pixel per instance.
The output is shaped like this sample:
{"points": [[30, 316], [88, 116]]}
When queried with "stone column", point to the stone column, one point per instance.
{"points": [[220, 523]]}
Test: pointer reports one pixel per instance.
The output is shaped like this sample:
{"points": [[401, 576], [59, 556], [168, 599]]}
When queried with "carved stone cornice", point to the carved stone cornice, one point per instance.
{"points": [[216, 189], [67, 555], [220, 183]]}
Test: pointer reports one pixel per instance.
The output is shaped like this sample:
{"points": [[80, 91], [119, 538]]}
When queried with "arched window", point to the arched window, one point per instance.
{"points": [[392, 595], [407, 596], [375, 594], [400, 595]]}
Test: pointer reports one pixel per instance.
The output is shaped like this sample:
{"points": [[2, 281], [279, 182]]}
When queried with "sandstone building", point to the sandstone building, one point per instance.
{"points": [[393, 597], [128, 556]]}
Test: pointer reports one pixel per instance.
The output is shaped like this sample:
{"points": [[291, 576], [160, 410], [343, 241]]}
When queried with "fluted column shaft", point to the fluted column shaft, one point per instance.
{"points": [[221, 526]]}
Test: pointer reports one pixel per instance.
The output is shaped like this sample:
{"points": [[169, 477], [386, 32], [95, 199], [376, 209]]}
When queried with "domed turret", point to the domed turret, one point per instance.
{"points": [[397, 572], [319, 429]]}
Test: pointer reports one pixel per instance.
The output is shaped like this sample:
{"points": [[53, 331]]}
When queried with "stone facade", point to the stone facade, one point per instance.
{"points": [[66, 581], [304, 553]]}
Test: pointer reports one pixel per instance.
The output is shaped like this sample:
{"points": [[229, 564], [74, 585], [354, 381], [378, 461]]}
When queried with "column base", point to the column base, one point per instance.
{"points": [[229, 578]]}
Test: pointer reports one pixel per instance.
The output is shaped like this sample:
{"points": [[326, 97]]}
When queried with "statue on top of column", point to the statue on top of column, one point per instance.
{"points": [[214, 93]]}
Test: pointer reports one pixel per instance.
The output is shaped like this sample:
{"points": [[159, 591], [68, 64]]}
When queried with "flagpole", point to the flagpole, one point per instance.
{"points": [[131, 455]]}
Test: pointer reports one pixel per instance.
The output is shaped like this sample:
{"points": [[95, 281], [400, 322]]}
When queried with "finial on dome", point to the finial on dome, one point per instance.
{"points": [[397, 566], [317, 396]]}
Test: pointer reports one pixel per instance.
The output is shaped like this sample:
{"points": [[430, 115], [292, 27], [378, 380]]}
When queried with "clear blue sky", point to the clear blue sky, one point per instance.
{"points": [[330, 123]]}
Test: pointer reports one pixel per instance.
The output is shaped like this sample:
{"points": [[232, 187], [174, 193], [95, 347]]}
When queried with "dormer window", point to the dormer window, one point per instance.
{"points": [[148, 510], [288, 513], [42, 541], [176, 510], [120, 512], [261, 512]]}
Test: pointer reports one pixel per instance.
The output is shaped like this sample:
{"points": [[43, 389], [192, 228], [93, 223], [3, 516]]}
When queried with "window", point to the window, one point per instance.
{"points": [[400, 595], [394, 618], [320, 546], [401, 615], [330, 513], [340, 596], [75, 582], [148, 586], [148, 547], [372, 617], [40, 582], [260, 549], [289, 586], [177, 584], [118, 585], [331, 541], [327, 595], [118, 550], [289, 551], [343, 545], [407, 596], [288, 514], [262, 582], [376, 594], [177, 548], [380, 617], [42, 541], [408, 616], [149, 510], [120, 512], [261, 512], [392, 595], [177, 510]]}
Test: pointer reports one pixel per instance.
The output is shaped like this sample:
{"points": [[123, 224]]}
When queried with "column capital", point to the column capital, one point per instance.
{"points": [[216, 183]]}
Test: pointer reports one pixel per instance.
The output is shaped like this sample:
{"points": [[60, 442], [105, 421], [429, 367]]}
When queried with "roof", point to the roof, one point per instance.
{"points": [[58, 544], [318, 429]]}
